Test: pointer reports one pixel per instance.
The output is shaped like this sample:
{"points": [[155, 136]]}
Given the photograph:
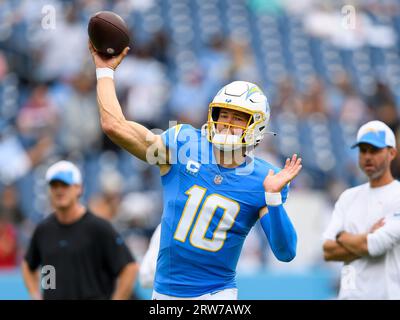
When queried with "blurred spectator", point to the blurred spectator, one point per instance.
{"points": [[382, 8], [243, 64], [9, 93], [107, 203], [3, 66], [314, 100], [38, 118], [159, 46], [8, 242], [139, 213], [298, 7], [381, 96], [79, 127], [346, 103], [10, 215], [216, 63], [188, 102], [23, 159], [145, 81], [141, 6], [349, 29], [383, 103], [9, 208], [396, 161], [389, 114], [287, 98], [63, 49], [140, 209]]}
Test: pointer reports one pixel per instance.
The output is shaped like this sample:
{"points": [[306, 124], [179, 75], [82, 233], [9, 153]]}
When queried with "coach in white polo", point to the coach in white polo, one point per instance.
{"points": [[364, 231]]}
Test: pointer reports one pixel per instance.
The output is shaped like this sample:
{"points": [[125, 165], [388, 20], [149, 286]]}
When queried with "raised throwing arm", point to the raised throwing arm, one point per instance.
{"points": [[129, 135]]}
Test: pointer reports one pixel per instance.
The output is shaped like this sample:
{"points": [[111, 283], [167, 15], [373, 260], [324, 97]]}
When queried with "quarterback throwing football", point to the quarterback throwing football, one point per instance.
{"points": [[214, 188]]}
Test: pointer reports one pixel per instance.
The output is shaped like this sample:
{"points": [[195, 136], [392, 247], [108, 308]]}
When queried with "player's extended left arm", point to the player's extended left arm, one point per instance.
{"points": [[280, 232], [375, 243], [274, 219]]}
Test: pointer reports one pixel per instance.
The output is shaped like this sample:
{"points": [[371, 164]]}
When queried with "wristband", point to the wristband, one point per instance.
{"points": [[273, 198], [104, 73]]}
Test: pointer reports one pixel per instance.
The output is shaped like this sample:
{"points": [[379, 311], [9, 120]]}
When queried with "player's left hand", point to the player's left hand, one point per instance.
{"points": [[276, 182]]}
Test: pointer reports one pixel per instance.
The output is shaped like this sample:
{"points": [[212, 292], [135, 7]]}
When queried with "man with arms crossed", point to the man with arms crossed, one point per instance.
{"points": [[364, 231]]}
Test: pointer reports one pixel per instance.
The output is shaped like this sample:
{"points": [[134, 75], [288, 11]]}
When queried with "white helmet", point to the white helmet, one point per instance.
{"points": [[244, 97]]}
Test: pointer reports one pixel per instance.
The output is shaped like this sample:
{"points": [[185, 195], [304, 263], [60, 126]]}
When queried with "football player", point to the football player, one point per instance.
{"points": [[215, 190]]}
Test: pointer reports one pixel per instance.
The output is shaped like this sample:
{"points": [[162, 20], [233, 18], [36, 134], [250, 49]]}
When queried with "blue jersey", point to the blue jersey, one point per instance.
{"points": [[208, 212]]}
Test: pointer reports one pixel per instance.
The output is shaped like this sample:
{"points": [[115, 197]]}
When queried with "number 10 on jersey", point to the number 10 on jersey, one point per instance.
{"points": [[207, 211]]}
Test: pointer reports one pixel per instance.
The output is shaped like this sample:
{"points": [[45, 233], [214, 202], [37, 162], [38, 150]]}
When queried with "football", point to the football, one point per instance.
{"points": [[108, 33]]}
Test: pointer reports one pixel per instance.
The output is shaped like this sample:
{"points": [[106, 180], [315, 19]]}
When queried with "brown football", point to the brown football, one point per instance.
{"points": [[108, 33]]}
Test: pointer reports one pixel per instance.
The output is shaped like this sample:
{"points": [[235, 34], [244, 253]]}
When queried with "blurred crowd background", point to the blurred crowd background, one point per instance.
{"points": [[326, 66]]}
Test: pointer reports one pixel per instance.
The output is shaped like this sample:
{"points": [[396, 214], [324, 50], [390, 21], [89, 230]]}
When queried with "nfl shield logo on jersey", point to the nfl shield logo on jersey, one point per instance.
{"points": [[218, 179]]}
